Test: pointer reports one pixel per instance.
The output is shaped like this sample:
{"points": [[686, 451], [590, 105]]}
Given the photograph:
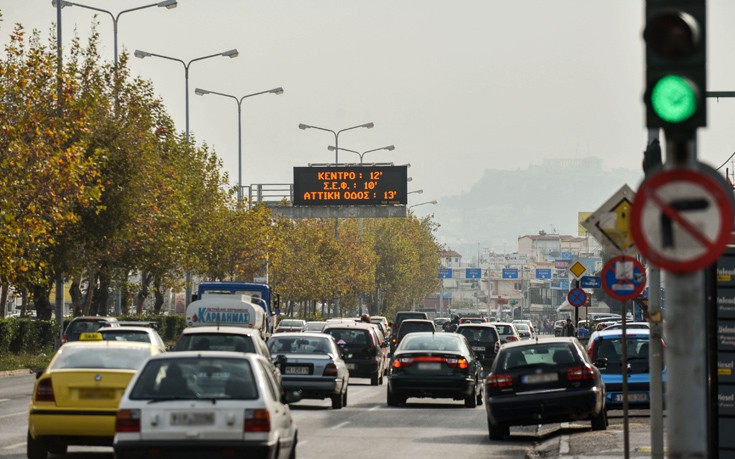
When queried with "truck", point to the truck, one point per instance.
{"points": [[234, 311], [260, 294]]}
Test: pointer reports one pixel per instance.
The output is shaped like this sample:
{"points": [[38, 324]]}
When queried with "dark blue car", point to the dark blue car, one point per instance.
{"points": [[605, 350]]}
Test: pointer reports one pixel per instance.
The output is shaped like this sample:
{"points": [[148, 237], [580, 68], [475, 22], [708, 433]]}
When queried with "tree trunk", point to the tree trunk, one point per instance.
{"points": [[89, 295], [158, 296], [142, 293], [102, 294], [4, 298], [41, 302], [75, 291], [124, 298]]}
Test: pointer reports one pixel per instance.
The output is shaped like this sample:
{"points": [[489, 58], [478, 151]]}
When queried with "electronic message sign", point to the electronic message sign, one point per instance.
{"points": [[350, 185]]}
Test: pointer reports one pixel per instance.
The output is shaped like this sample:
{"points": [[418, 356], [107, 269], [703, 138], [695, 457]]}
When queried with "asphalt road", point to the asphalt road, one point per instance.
{"points": [[368, 428]]}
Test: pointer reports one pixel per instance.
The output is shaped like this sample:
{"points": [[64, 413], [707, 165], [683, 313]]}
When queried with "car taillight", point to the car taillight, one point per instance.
{"points": [[330, 370], [580, 373], [500, 381], [45, 391], [257, 421], [591, 350], [127, 421], [402, 362], [460, 363], [511, 338]]}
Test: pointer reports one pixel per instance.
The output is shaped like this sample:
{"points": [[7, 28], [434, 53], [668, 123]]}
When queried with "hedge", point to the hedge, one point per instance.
{"points": [[22, 335]]}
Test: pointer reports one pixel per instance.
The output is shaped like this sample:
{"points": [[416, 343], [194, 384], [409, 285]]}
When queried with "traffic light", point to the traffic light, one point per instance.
{"points": [[675, 66]]}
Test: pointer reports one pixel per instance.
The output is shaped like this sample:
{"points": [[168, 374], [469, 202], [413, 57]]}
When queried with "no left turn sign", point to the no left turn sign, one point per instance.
{"points": [[681, 219]]}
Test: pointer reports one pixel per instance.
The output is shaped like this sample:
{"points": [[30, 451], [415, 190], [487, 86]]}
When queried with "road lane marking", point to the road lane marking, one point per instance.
{"points": [[17, 445], [13, 414], [340, 425], [376, 407], [4, 399]]}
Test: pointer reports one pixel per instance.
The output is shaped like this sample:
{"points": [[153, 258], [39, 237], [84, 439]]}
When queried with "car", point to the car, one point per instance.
{"points": [[314, 326], [545, 381], [402, 315], [74, 399], [86, 324], [527, 322], [619, 326], [235, 339], [484, 341], [362, 350], [436, 365], [410, 326], [311, 363], [383, 320], [205, 404], [605, 350], [472, 320], [559, 327], [129, 333], [440, 321], [524, 332], [290, 325], [507, 331]]}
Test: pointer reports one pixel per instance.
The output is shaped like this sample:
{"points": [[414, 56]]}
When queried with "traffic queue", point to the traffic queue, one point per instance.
{"points": [[225, 387]]}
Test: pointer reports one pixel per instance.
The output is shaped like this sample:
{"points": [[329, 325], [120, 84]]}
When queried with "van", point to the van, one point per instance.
{"points": [[403, 315]]}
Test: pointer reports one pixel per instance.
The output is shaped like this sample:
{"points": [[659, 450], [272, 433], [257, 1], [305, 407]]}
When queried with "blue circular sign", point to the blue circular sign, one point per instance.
{"points": [[623, 278], [577, 297]]}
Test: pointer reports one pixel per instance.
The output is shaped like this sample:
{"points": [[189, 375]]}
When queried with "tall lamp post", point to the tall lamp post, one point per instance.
{"points": [[202, 92], [143, 54], [422, 203], [416, 191], [361, 155], [336, 135], [168, 4]]}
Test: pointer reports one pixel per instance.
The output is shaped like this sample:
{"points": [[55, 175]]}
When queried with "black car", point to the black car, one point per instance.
{"points": [[91, 324], [545, 381], [435, 365], [410, 326], [484, 341], [361, 348], [403, 315]]}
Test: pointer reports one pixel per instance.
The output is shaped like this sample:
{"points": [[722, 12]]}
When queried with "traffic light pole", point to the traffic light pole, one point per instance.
{"points": [[686, 392]]}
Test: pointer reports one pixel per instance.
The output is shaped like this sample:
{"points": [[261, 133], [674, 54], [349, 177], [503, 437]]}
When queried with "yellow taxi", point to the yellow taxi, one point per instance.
{"points": [[75, 399]]}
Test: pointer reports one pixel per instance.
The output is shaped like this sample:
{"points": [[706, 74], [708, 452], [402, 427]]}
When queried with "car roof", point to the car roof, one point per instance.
{"points": [[103, 343], [300, 335], [546, 340], [224, 330], [619, 332], [206, 354], [127, 327], [417, 321], [476, 325]]}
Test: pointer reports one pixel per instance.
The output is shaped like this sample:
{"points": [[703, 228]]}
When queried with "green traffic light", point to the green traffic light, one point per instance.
{"points": [[674, 99]]}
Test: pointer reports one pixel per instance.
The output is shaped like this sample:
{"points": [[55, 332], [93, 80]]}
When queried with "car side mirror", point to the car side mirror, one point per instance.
{"points": [[281, 360], [601, 363]]}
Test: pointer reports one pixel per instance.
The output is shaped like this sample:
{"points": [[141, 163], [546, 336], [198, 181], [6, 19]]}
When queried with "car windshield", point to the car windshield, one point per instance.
{"points": [[215, 342], [113, 358], [314, 326], [431, 342], [207, 378], [291, 323], [504, 329], [351, 336], [292, 345], [410, 327], [611, 348], [84, 326], [538, 354], [125, 335], [477, 334]]}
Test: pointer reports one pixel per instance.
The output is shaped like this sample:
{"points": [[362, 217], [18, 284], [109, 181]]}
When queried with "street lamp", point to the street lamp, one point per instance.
{"points": [[168, 4], [422, 203], [202, 92], [143, 54], [416, 191], [336, 135], [389, 148]]}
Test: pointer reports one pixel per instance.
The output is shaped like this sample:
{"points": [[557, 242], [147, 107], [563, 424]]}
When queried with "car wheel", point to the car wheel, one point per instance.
{"points": [[380, 380], [470, 401], [344, 398], [498, 432], [36, 449], [479, 397], [337, 401], [375, 379], [599, 422], [392, 398], [57, 449]]}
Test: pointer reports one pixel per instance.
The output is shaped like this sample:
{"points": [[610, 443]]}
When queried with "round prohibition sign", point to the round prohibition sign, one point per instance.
{"points": [[681, 219], [577, 297], [623, 278]]}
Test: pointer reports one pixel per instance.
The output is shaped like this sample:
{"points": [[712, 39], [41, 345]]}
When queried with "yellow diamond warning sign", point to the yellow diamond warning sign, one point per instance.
{"points": [[610, 224], [577, 269]]}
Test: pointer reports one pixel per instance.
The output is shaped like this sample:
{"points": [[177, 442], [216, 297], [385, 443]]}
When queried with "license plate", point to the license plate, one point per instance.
{"points": [[96, 394], [540, 378], [478, 348], [192, 419], [352, 366], [429, 366], [639, 397], [297, 370]]}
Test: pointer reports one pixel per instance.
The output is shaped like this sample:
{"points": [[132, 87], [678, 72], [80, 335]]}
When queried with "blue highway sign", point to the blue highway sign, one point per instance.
{"points": [[590, 282], [445, 273], [510, 273], [473, 273], [543, 273]]}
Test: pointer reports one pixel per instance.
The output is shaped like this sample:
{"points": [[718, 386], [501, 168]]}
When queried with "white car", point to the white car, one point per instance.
{"points": [[205, 403]]}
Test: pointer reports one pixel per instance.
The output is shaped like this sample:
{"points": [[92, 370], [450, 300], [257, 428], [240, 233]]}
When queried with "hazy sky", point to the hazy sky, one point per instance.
{"points": [[457, 86]]}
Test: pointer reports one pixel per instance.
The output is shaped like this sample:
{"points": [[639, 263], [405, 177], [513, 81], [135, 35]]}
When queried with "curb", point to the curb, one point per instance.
{"points": [[24, 371]]}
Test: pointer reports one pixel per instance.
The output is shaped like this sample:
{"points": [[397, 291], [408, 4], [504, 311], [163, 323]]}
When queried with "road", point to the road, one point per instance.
{"points": [[368, 428]]}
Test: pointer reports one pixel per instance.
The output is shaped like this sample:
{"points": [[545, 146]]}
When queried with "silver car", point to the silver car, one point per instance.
{"points": [[311, 363], [205, 404]]}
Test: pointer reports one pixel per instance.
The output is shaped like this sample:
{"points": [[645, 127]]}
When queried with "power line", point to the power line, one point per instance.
{"points": [[728, 159]]}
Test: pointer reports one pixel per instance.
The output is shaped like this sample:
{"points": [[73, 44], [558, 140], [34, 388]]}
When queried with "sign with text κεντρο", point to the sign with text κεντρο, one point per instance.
{"points": [[610, 223], [682, 218], [355, 185]]}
